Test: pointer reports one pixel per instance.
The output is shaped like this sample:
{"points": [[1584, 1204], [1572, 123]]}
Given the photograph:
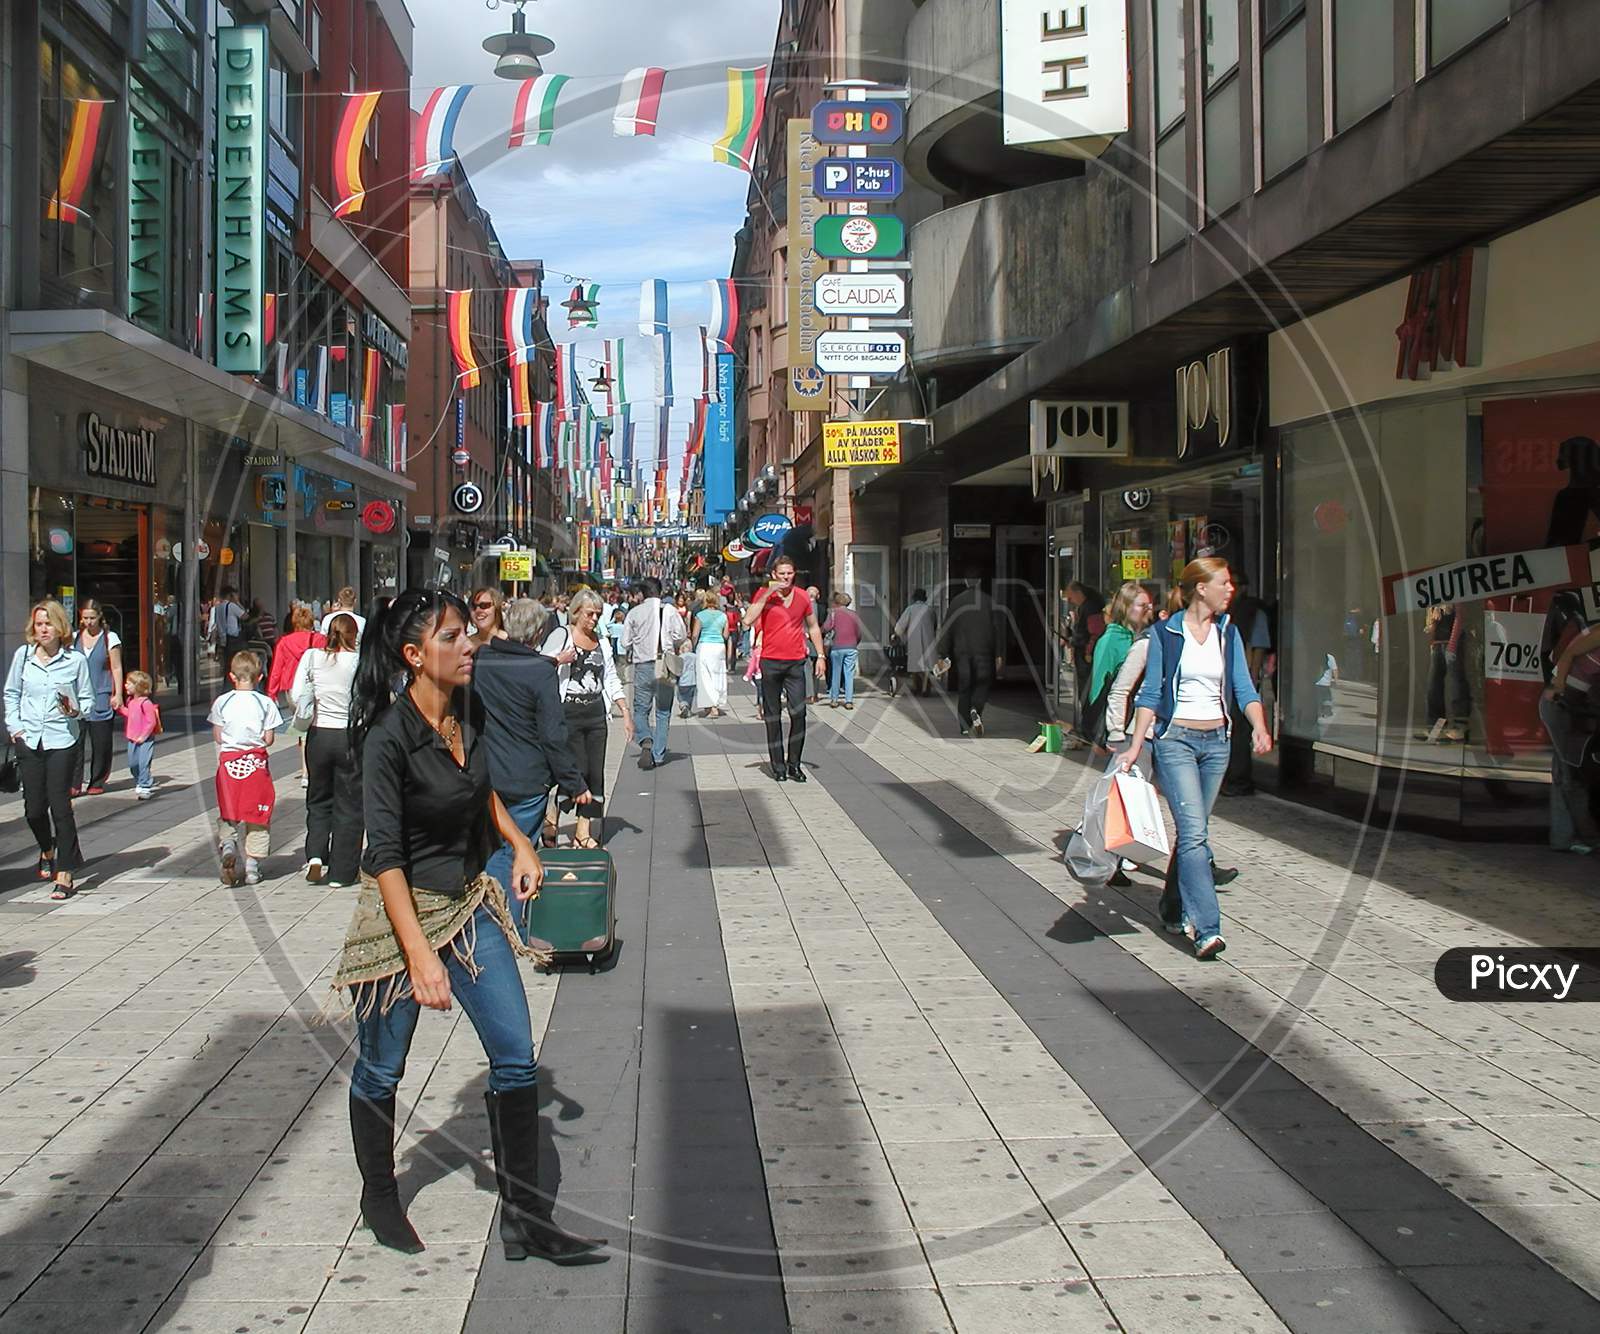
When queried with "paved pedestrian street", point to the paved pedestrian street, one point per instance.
{"points": [[867, 1059]]}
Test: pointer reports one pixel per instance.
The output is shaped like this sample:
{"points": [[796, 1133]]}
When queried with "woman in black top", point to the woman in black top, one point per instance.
{"points": [[429, 924]]}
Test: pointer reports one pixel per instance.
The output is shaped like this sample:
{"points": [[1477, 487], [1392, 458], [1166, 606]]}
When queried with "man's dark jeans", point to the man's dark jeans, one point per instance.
{"points": [[974, 680], [783, 685]]}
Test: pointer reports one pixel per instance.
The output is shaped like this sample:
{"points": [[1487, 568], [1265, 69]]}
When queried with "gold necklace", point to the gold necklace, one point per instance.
{"points": [[448, 737]]}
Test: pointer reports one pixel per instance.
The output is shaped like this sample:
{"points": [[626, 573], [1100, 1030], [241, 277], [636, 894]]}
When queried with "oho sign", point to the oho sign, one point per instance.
{"points": [[861, 294], [770, 529], [861, 353]]}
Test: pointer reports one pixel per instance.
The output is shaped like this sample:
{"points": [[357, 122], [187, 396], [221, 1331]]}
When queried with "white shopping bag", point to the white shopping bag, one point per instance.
{"points": [[1136, 830]]}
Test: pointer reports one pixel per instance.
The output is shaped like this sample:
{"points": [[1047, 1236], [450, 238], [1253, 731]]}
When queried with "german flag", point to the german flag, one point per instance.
{"points": [[459, 318], [347, 184], [77, 164]]}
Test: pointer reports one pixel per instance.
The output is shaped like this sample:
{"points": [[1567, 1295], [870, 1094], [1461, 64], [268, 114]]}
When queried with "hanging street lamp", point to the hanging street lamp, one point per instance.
{"points": [[517, 52]]}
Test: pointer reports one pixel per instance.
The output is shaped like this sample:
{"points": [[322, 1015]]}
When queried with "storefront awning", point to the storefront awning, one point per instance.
{"points": [[111, 354]]}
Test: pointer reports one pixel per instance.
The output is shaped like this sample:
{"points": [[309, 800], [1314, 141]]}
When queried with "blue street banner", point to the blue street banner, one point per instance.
{"points": [[858, 122], [718, 458], [858, 178]]}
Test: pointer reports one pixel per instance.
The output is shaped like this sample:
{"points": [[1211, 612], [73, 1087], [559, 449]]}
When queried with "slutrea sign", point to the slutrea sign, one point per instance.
{"points": [[1481, 577], [120, 454], [241, 196]]}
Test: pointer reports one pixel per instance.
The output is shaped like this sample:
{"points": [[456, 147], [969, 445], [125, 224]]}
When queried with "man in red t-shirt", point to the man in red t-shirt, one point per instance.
{"points": [[785, 619]]}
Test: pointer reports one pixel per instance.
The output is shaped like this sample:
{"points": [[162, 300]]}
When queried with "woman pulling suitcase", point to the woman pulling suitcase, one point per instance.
{"points": [[430, 926]]}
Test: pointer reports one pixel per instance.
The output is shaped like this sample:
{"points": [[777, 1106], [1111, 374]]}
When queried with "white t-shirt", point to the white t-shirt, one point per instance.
{"points": [[245, 717], [361, 622], [1200, 677], [325, 678]]}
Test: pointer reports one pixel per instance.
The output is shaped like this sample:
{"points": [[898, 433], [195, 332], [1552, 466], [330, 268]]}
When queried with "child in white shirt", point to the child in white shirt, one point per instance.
{"points": [[243, 723]]}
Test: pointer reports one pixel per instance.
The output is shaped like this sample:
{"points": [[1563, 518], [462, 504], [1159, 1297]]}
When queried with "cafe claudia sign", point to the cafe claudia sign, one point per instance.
{"points": [[121, 454]]}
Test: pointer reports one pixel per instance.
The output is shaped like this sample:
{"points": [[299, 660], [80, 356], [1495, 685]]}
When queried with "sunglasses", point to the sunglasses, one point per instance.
{"points": [[483, 606]]}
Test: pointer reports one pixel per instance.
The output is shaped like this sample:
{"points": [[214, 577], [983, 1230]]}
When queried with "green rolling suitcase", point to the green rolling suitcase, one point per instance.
{"points": [[574, 916]]}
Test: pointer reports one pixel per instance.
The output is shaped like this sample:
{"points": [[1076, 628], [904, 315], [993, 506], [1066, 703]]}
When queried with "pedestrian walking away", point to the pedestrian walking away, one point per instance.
{"points": [[300, 636], [814, 654], [1195, 665], [47, 694], [243, 724], [344, 604], [589, 689], [102, 649], [431, 926], [970, 640], [842, 635], [709, 635], [322, 685], [786, 623], [225, 626], [917, 629], [141, 725], [653, 637]]}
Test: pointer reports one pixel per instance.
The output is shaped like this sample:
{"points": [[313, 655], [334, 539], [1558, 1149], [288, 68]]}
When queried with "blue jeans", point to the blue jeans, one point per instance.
{"points": [[842, 670], [494, 1001], [647, 699], [1190, 766], [139, 756], [528, 814], [687, 683]]}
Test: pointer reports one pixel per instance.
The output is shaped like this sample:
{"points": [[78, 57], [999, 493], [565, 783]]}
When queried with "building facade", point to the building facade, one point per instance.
{"points": [[134, 468], [1298, 307]]}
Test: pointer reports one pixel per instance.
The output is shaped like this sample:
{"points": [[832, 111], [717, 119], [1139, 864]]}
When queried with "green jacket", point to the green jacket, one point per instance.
{"points": [[1109, 653]]}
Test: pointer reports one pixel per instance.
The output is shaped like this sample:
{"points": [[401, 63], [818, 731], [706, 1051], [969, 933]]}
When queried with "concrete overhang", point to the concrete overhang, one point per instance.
{"points": [[109, 353]]}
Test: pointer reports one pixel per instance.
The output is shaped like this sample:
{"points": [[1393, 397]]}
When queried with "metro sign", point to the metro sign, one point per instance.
{"points": [[865, 353], [861, 294], [858, 178]]}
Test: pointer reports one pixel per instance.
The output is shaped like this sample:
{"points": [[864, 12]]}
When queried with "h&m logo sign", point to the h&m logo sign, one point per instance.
{"points": [[1442, 329], [1205, 400]]}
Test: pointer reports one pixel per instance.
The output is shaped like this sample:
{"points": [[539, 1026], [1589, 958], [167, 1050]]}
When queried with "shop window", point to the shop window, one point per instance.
{"points": [[1363, 59], [1223, 135], [78, 173], [1453, 24], [1172, 190], [1167, 17], [1285, 121]]}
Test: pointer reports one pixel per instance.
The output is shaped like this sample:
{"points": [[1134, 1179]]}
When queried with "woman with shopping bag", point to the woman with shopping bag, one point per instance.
{"points": [[1196, 663]]}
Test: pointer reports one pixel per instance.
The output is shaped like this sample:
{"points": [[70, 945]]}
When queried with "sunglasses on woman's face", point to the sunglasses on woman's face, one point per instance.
{"points": [[483, 606]]}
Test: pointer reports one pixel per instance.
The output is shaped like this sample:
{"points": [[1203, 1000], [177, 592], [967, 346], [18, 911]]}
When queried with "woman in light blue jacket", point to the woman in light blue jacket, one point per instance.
{"points": [[1196, 663], [48, 692]]}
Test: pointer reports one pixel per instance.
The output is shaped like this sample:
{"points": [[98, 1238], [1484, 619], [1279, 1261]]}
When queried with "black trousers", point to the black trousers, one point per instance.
{"points": [[586, 738], [974, 680], [46, 776], [95, 737], [784, 686], [1241, 775], [333, 804]]}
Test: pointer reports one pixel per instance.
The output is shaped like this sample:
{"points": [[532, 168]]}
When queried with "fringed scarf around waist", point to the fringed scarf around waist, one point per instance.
{"points": [[372, 967]]}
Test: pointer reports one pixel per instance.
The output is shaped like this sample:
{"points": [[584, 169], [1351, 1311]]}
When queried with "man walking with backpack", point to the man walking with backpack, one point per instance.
{"points": [[652, 640]]}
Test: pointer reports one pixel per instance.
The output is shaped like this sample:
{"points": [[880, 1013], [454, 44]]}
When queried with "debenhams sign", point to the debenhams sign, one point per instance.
{"points": [[118, 453], [1064, 75]]}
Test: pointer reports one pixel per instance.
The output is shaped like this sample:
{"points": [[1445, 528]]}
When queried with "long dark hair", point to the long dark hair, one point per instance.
{"points": [[382, 672]]}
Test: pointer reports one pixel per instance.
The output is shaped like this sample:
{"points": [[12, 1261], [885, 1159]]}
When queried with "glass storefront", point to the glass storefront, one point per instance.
{"points": [[1453, 687]]}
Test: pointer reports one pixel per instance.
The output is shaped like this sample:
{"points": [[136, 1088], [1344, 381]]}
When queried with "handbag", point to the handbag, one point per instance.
{"points": [[671, 659], [305, 715], [10, 770]]}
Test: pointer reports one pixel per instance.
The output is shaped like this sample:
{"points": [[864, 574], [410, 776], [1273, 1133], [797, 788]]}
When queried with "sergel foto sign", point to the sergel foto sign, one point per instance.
{"points": [[861, 294], [861, 353], [241, 171], [859, 236], [858, 178]]}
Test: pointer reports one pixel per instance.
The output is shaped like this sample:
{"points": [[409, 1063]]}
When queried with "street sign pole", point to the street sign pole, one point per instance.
{"points": [[858, 382]]}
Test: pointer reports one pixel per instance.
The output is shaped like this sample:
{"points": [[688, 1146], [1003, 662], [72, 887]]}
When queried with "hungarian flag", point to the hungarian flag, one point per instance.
{"points": [[747, 105], [536, 118], [640, 102], [353, 122]]}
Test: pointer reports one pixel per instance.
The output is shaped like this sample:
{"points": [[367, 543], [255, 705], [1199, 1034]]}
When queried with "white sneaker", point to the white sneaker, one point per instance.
{"points": [[304, 781], [252, 872], [314, 871], [230, 864], [144, 793]]}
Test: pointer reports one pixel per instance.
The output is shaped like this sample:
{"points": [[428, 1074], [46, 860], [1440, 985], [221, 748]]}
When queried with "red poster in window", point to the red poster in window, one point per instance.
{"points": [[1541, 488]]}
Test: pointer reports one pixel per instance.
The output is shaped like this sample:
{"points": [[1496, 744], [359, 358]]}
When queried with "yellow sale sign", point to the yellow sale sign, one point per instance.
{"points": [[860, 444], [516, 567], [1136, 564]]}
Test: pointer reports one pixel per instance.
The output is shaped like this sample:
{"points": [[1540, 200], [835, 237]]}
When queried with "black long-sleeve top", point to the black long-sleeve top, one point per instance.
{"points": [[525, 727], [426, 815]]}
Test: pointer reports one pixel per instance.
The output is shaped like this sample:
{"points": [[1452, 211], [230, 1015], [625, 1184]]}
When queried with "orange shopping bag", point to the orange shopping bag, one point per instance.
{"points": [[1117, 830], [1134, 828]]}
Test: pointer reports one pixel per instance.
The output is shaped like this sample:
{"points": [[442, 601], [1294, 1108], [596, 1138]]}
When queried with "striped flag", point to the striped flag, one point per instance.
{"points": [[724, 312], [433, 146], [565, 400], [347, 145], [322, 379], [370, 368], [617, 373], [522, 304], [654, 316], [663, 344], [77, 163], [532, 119], [640, 102], [544, 434], [708, 366], [397, 437], [747, 105], [459, 321]]}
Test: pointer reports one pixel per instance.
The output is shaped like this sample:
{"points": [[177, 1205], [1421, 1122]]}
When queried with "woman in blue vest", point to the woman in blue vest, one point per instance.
{"points": [[103, 649], [1196, 663]]}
